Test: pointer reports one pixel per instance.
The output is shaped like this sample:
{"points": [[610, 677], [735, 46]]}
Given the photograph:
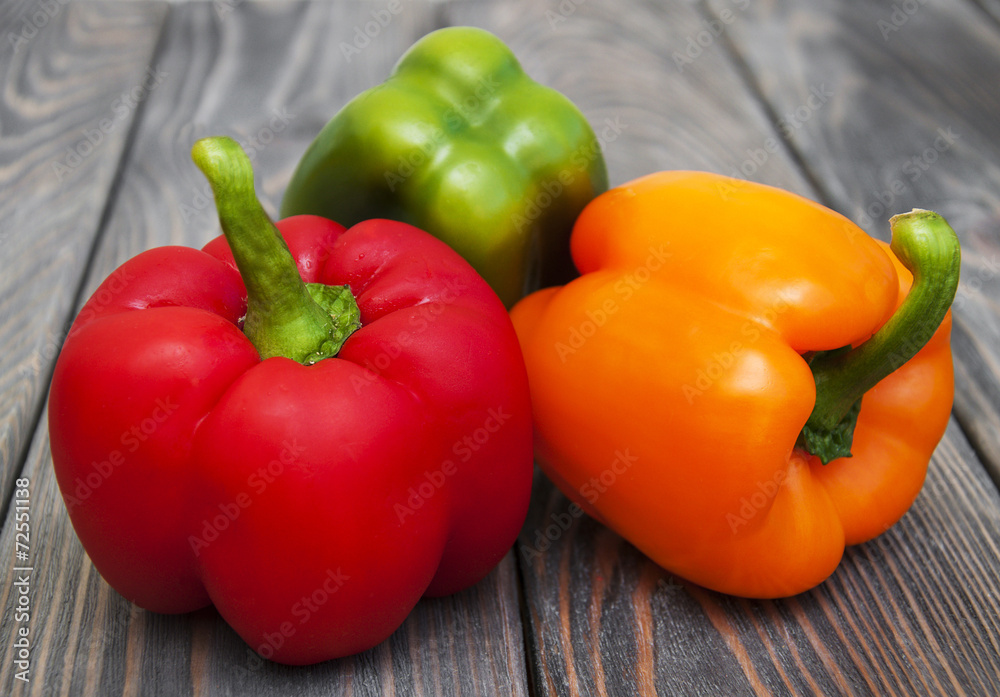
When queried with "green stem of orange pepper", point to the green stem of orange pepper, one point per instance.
{"points": [[925, 243]]}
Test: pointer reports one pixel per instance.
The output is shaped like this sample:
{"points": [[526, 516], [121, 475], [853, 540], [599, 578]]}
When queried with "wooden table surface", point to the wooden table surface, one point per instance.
{"points": [[871, 108]]}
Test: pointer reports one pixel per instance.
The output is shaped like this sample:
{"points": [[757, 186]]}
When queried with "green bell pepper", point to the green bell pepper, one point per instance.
{"points": [[460, 142]]}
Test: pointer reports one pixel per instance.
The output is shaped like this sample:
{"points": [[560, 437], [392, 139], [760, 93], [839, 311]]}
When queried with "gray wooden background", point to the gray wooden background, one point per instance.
{"points": [[875, 107]]}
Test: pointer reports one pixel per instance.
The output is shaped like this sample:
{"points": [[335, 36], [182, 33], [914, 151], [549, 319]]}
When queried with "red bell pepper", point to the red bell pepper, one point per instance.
{"points": [[313, 499]]}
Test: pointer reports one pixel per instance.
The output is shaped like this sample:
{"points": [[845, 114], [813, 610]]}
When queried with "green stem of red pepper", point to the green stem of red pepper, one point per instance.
{"points": [[925, 243], [285, 316]]}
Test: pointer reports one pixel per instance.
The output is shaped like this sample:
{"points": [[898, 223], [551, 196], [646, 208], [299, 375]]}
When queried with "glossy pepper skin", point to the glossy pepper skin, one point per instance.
{"points": [[313, 505], [460, 142], [671, 381]]}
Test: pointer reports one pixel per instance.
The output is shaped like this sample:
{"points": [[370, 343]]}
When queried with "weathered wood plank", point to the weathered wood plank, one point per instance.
{"points": [[65, 114], [913, 612], [990, 7], [895, 618], [910, 120], [269, 74]]}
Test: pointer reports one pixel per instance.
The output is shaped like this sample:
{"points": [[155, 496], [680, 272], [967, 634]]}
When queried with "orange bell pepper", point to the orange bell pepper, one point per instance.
{"points": [[695, 390]]}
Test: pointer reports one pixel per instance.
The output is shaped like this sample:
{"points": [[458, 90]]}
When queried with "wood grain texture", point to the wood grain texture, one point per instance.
{"points": [[910, 121], [603, 619], [990, 7], [913, 612], [235, 70], [65, 116]]}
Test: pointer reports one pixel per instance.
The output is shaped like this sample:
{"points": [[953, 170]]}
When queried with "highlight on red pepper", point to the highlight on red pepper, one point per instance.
{"points": [[778, 378], [310, 430]]}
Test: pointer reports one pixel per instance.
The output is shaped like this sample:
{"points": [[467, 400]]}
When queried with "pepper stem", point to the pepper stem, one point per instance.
{"points": [[927, 246], [285, 316]]}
